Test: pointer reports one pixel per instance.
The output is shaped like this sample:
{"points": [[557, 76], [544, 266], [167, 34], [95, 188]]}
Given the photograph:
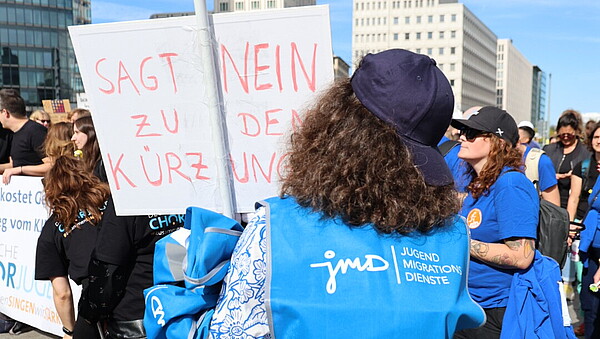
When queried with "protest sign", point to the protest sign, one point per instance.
{"points": [[145, 85], [22, 216]]}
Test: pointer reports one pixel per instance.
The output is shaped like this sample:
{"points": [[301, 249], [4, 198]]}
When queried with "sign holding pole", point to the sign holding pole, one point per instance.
{"points": [[212, 98]]}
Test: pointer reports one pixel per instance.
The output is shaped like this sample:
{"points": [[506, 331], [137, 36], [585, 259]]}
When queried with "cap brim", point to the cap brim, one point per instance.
{"points": [[462, 123], [430, 162]]}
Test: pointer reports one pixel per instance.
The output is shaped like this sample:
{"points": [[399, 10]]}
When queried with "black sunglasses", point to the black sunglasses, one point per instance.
{"points": [[470, 134], [567, 136]]}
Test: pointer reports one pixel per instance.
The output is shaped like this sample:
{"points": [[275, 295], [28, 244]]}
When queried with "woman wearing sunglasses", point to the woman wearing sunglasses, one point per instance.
{"points": [[501, 209], [567, 152]]}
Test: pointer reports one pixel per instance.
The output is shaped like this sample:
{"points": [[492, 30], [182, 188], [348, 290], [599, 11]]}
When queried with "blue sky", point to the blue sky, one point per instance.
{"points": [[562, 37]]}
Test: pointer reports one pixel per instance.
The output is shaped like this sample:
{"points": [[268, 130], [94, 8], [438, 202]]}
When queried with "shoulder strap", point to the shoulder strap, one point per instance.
{"points": [[585, 172], [447, 146], [532, 162], [585, 165]]}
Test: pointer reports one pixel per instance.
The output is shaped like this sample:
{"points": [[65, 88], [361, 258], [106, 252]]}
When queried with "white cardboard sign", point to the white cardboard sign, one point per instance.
{"points": [[22, 216], [144, 82]]}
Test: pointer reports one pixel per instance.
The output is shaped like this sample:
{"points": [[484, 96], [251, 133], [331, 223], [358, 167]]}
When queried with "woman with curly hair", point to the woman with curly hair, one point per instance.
{"points": [[366, 229], [77, 199], [501, 209], [57, 143]]}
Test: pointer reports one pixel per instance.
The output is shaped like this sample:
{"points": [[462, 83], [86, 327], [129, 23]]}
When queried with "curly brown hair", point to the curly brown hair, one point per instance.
{"points": [[502, 154], [58, 141], [69, 188], [345, 162]]}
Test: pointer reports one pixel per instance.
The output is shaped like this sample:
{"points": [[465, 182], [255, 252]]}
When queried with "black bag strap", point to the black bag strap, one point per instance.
{"points": [[447, 146]]}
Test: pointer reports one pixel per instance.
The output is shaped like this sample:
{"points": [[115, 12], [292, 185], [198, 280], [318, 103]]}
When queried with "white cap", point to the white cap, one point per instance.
{"points": [[526, 123]]}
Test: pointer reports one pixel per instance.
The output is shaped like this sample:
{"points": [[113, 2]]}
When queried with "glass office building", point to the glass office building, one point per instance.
{"points": [[36, 55]]}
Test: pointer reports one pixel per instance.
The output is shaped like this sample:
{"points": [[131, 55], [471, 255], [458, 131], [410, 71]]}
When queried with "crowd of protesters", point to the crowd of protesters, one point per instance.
{"points": [[377, 180]]}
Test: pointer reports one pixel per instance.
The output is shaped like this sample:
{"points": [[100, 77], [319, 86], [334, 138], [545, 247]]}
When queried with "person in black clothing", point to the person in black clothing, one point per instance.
{"points": [[567, 152], [584, 177], [5, 142], [121, 268], [77, 199], [28, 136]]}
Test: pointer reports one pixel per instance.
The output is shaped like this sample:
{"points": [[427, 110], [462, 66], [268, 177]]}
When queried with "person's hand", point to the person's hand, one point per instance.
{"points": [[66, 336], [9, 172], [563, 175], [597, 276]]}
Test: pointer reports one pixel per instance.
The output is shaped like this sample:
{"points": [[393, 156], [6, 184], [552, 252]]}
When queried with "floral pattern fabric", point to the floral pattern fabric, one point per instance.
{"points": [[241, 311]]}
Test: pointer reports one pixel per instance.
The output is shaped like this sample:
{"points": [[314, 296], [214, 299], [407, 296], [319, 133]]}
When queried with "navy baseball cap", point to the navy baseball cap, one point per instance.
{"points": [[409, 92], [492, 120]]}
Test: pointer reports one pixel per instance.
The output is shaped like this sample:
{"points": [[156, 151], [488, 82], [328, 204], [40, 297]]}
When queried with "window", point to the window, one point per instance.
{"points": [[452, 50], [407, 20], [429, 35], [430, 18], [418, 35], [442, 17], [395, 36], [368, 21], [441, 67], [418, 50], [418, 19], [255, 5], [452, 82], [452, 67], [441, 51], [429, 51], [378, 21], [452, 34], [271, 4], [453, 18], [441, 34], [406, 36], [395, 20], [239, 6]]}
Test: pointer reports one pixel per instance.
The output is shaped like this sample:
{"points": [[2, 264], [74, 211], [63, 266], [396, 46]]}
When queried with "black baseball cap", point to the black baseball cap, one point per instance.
{"points": [[492, 120], [409, 92]]}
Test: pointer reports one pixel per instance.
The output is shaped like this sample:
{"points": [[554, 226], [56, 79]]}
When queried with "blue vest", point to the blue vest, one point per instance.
{"points": [[328, 280]]}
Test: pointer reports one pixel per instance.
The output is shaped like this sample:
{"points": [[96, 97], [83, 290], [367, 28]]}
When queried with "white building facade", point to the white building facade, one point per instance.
{"points": [[463, 47], [250, 5], [514, 81]]}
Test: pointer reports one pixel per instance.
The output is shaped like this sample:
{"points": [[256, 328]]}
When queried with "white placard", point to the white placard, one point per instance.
{"points": [[22, 216], [144, 82]]}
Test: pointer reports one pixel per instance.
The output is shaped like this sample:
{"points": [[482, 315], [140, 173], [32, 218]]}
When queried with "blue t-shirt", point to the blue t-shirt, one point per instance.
{"points": [[509, 210], [546, 171], [457, 166]]}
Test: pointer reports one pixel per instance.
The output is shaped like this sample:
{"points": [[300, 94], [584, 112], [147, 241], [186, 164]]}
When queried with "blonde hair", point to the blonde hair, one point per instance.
{"points": [[39, 115]]}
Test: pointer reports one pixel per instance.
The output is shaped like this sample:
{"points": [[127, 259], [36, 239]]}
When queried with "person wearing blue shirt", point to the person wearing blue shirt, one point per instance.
{"points": [[365, 240], [456, 165], [546, 179], [501, 210]]}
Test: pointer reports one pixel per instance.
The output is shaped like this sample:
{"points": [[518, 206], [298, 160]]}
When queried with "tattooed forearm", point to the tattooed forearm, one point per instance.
{"points": [[503, 260], [513, 253], [514, 245], [479, 249], [529, 249]]}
